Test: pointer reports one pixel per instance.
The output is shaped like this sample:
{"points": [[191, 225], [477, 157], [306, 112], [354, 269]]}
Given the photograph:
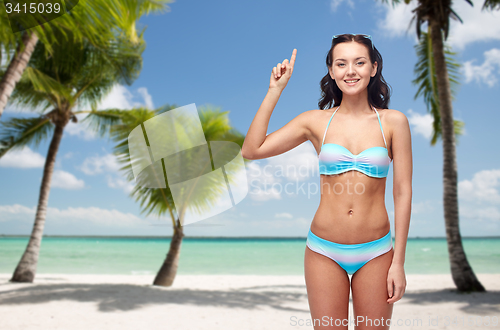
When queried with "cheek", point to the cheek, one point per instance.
{"points": [[367, 71]]}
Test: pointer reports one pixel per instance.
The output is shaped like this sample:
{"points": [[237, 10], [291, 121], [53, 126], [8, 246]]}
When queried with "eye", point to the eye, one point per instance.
{"points": [[361, 63], [341, 64]]}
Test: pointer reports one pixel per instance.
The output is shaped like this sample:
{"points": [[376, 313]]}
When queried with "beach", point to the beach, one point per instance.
{"points": [[94, 301]]}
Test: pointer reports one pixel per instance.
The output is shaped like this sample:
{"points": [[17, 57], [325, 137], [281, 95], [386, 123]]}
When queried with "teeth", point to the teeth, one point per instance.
{"points": [[351, 81]]}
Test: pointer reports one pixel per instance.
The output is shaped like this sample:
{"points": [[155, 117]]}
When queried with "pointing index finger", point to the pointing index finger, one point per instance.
{"points": [[292, 59]]}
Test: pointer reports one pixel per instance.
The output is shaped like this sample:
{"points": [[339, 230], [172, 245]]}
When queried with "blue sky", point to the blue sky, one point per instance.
{"points": [[221, 53]]}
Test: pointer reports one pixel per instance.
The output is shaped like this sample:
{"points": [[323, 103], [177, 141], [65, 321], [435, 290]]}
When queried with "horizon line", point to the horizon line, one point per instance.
{"points": [[219, 237]]}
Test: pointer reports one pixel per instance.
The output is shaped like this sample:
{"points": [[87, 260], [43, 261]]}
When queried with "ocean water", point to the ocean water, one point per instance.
{"points": [[256, 256]]}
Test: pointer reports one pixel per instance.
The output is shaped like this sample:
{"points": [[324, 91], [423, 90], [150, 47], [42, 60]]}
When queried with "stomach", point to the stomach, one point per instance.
{"points": [[352, 209]]}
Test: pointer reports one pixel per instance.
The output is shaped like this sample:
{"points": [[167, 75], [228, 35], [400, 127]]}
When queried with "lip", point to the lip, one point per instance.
{"points": [[351, 84]]}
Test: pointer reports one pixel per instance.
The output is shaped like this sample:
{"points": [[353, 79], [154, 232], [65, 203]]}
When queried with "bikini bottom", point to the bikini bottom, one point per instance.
{"points": [[351, 257]]}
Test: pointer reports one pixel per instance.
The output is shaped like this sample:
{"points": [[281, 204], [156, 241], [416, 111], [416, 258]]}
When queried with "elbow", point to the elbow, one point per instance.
{"points": [[246, 154]]}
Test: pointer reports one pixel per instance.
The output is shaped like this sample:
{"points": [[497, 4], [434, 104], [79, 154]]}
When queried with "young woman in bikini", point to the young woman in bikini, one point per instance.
{"points": [[349, 244]]}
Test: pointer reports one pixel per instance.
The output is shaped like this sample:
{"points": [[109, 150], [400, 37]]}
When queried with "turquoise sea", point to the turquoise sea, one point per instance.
{"points": [[256, 256]]}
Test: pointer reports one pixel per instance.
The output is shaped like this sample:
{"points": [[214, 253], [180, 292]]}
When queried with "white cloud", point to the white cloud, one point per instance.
{"points": [[421, 124], [484, 73], [280, 173], [107, 164], [79, 129], [490, 213], [120, 183], [65, 180], [480, 200], [121, 98], [148, 99], [482, 188], [397, 19], [284, 215], [24, 158], [16, 212], [422, 207], [298, 164], [95, 215], [99, 164], [334, 4], [261, 183], [478, 25], [68, 155]]}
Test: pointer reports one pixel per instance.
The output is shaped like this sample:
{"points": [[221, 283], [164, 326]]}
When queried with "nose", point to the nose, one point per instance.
{"points": [[350, 70]]}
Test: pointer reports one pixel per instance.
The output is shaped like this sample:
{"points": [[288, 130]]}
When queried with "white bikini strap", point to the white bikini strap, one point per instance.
{"points": [[324, 135], [380, 123]]}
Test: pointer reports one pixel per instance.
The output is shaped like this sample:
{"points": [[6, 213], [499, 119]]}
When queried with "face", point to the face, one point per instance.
{"points": [[351, 68]]}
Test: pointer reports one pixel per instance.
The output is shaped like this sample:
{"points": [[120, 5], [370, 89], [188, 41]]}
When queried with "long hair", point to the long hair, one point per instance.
{"points": [[379, 92]]}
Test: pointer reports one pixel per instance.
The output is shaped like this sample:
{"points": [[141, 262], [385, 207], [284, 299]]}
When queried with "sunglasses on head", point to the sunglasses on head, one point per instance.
{"points": [[367, 36]]}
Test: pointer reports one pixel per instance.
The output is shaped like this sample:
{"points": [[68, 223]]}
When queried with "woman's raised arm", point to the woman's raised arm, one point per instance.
{"points": [[257, 145]]}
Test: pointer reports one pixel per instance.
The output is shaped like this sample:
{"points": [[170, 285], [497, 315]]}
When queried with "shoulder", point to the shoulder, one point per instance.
{"points": [[310, 117], [394, 118], [312, 113], [317, 114], [308, 120]]}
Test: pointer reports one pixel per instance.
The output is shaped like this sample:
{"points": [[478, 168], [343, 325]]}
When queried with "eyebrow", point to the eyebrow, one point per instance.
{"points": [[357, 58]]}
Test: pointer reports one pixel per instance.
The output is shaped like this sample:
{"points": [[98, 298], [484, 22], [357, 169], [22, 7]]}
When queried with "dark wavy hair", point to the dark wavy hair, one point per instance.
{"points": [[379, 91]]}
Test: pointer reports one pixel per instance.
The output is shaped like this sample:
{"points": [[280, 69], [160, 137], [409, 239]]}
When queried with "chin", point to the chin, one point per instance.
{"points": [[346, 90]]}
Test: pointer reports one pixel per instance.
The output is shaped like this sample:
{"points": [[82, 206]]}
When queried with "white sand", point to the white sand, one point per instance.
{"points": [[89, 302]]}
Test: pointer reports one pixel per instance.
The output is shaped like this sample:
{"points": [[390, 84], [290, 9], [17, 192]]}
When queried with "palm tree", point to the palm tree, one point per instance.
{"points": [[216, 127], [76, 72], [97, 21], [437, 14]]}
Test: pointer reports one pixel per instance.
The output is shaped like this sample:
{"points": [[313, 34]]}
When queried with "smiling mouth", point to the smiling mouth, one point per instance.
{"points": [[352, 81]]}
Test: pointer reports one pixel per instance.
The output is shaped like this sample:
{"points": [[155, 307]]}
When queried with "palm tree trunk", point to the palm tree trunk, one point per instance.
{"points": [[26, 269], [168, 270], [16, 67], [461, 271]]}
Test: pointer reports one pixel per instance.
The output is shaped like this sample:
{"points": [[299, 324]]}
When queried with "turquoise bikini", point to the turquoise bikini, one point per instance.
{"points": [[337, 159], [351, 257], [373, 162]]}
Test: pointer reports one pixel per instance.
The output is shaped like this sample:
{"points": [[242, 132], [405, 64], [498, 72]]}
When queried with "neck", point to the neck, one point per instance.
{"points": [[355, 104]]}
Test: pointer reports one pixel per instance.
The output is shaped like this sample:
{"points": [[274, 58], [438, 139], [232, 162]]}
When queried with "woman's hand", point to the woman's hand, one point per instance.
{"points": [[396, 283], [282, 73]]}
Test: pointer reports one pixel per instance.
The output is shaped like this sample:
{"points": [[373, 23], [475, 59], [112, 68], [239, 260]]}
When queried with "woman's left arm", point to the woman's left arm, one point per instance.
{"points": [[402, 192]]}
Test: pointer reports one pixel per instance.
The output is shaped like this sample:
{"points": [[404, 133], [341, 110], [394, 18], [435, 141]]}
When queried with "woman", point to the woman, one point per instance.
{"points": [[350, 233]]}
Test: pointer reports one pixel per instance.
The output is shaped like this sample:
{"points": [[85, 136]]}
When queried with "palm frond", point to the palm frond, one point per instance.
{"points": [[19, 132], [76, 72], [44, 83], [491, 4], [101, 121], [426, 81]]}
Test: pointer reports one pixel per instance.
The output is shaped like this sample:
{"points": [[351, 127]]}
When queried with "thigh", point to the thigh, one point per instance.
{"points": [[328, 291], [369, 293]]}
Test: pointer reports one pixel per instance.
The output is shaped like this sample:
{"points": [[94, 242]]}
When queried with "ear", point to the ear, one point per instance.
{"points": [[374, 71]]}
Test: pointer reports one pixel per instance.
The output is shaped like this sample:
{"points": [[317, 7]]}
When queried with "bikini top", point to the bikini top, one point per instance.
{"points": [[336, 159]]}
